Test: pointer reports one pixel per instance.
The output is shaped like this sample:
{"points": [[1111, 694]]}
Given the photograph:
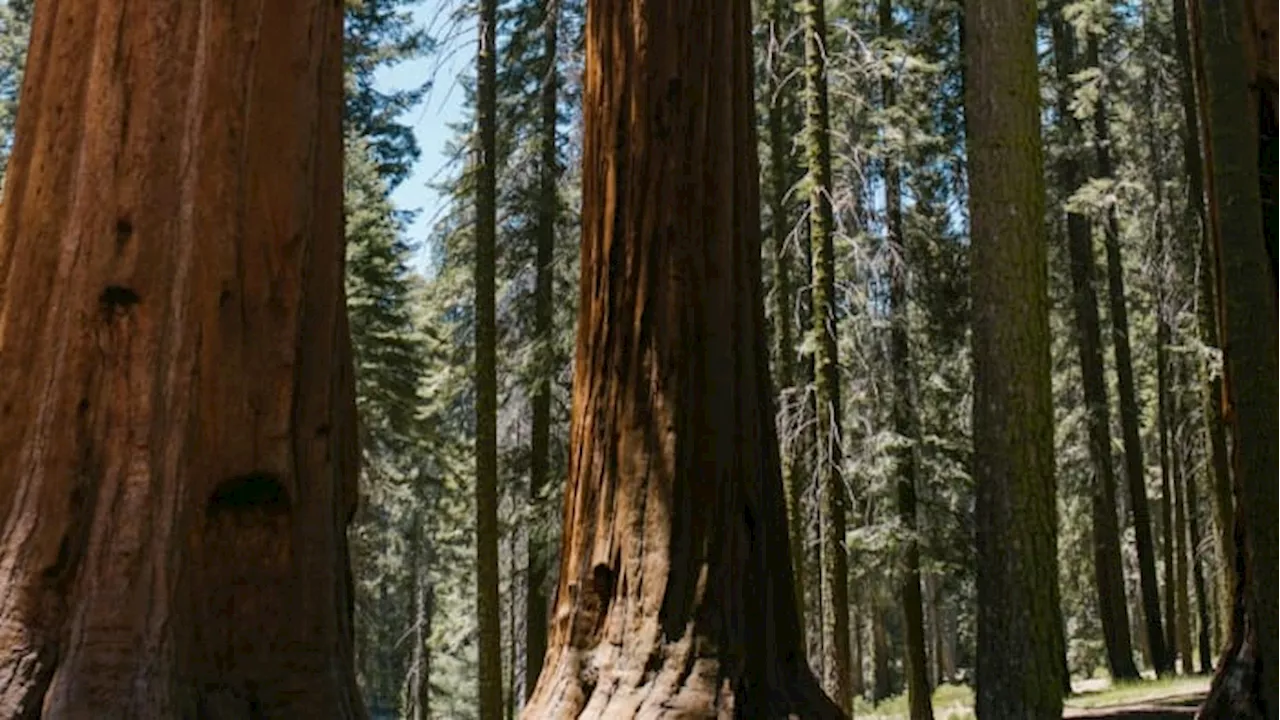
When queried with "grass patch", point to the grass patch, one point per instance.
{"points": [[950, 702], [1140, 691]]}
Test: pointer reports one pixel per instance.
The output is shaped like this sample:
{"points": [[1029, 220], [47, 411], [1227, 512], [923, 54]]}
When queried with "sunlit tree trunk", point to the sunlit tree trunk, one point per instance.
{"points": [[676, 594], [1019, 644], [177, 416]]}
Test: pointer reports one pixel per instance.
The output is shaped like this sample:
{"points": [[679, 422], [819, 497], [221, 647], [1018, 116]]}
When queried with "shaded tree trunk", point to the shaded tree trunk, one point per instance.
{"points": [[1135, 474], [535, 618], [904, 422], [1182, 598], [834, 585], [488, 612], [1203, 612], [794, 471], [676, 591], [1199, 229], [1238, 97], [881, 679], [1019, 644], [1108, 571], [423, 612], [1163, 339], [176, 492], [858, 681]]}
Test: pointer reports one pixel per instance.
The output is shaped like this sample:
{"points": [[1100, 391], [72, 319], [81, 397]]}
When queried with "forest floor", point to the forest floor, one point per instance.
{"points": [[1164, 699]]}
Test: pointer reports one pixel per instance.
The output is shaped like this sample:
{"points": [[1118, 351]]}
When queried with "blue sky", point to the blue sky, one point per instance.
{"points": [[430, 121]]}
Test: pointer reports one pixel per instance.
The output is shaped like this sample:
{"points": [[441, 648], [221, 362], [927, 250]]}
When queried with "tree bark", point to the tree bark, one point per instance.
{"points": [[1108, 571], [1019, 644], [1199, 229], [535, 618], [834, 586], [177, 414], [1182, 598], [676, 592], [1203, 612], [1240, 130], [1135, 473], [881, 680], [488, 611]]}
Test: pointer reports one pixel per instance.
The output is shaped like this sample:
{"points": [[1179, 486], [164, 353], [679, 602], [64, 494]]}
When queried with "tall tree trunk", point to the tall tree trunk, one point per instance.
{"points": [[177, 414], [834, 586], [1129, 410], [423, 611], [1108, 571], [1198, 228], [1182, 598], [676, 591], [535, 617], [1240, 129], [881, 679], [793, 470], [486, 373], [858, 681], [1163, 340], [904, 420], [1019, 643], [1203, 612]]}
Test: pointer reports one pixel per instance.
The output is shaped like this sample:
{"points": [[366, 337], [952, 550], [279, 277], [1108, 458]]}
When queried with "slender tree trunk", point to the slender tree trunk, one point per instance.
{"points": [[177, 413], [881, 680], [1109, 574], [1194, 519], [904, 421], [486, 373], [858, 682], [793, 470], [1240, 155], [1019, 643], [1163, 339], [1199, 230], [535, 617], [676, 593], [423, 611], [1182, 598], [834, 586], [1129, 410]]}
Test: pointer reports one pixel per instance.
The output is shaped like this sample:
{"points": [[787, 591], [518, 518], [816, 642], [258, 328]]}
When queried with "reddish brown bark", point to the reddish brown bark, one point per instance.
{"points": [[675, 596], [176, 401]]}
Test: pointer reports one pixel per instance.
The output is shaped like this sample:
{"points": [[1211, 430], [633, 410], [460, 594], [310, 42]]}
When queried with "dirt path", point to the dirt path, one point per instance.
{"points": [[1182, 707]]}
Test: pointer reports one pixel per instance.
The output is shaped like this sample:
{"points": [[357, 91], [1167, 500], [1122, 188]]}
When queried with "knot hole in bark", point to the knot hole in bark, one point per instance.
{"points": [[117, 298], [248, 573]]}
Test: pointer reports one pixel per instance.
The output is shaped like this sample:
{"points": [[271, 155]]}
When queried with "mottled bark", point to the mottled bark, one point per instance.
{"points": [[1019, 645], [177, 414], [1135, 474], [676, 592], [1108, 571], [834, 585], [488, 612], [535, 612], [1240, 124]]}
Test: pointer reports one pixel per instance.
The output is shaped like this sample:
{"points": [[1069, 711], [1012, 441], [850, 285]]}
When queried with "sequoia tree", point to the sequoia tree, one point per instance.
{"points": [[177, 428], [675, 595], [1019, 644], [1235, 45]]}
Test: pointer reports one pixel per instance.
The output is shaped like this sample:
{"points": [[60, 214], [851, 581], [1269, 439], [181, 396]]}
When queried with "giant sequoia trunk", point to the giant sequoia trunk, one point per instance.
{"points": [[1020, 647], [1237, 48], [675, 595], [177, 419], [1108, 571]]}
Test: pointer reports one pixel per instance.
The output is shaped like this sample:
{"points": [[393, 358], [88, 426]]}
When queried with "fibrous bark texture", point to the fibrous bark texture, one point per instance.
{"points": [[1238, 94], [177, 420], [1019, 645], [675, 596]]}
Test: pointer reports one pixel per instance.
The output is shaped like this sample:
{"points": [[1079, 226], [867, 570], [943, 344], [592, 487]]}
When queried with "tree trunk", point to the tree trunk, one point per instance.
{"points": [[488, 612], [535, 617], [858, 681], [1135, 473], [1240, 128], [881, 680], [1019, 643], [1163, 339], [1108, 570], [177, 415], [904, 421], [1182, 598], [676, 592], [793, 470], [1204, 648], [834, 586], [423, 612], [1199, 229]]}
